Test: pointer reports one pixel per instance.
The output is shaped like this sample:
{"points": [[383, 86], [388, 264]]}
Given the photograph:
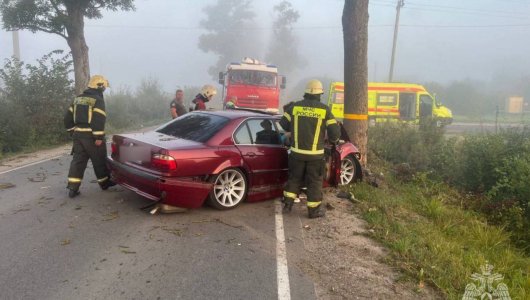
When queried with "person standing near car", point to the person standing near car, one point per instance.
{"points": [[206, 94], [85, 120], [307, 121], [177, 105]]}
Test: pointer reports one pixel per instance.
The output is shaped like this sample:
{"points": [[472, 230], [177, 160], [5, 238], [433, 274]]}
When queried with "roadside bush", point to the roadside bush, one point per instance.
{"points": [[33, 99], [147, 105], [494, 167]]}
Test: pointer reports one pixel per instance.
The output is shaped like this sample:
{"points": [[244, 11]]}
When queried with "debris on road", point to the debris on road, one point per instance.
{"points": [[6, 185], [65, 242], [111, 216], [127, 251], [307, 227], [20, 210], [175, 231]]}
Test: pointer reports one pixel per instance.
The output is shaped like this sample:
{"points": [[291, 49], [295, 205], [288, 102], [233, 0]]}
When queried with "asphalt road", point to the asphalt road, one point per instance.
{"points": [[100, 245]]}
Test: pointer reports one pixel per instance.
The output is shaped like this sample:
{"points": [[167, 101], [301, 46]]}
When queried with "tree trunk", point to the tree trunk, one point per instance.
{"points": [[355, 30], [79, 48]]}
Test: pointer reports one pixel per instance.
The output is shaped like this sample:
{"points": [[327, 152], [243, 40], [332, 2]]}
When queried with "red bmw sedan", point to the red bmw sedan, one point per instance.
{"points": [[222, 157]]}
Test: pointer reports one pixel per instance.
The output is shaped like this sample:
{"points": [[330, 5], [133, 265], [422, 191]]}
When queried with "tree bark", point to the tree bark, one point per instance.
{"points": [[76, 40], [355, 31]]}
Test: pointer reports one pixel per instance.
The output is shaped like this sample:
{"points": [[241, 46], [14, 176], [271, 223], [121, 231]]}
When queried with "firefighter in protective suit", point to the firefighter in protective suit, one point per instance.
{"points": [[206, 94], [307, 121], [85, 120]]}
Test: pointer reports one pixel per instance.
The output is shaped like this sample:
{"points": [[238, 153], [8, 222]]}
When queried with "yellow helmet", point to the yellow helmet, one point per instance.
{"points": [[314, 87], [208, 91], [98, 82]]}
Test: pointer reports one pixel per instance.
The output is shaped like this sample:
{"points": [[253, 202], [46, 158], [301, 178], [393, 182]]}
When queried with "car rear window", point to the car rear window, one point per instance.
{"points": [[194, 126]]}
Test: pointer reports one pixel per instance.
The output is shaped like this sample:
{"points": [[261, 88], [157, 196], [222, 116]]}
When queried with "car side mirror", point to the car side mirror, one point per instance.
{"points": [[221, 78]]}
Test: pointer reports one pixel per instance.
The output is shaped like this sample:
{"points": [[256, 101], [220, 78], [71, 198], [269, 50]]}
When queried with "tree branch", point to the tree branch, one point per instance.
{"points": [[56, 7], [39, 28]]}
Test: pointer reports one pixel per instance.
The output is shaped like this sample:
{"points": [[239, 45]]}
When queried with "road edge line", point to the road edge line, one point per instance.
{"points": [[282, 270], [31, 164]]}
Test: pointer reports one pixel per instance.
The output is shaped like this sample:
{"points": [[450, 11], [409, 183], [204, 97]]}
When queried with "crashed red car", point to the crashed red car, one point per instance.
{"points": [[222, 157]]}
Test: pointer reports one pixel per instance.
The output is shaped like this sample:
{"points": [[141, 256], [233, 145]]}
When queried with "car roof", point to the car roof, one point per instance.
{"points": [[235, 113]]}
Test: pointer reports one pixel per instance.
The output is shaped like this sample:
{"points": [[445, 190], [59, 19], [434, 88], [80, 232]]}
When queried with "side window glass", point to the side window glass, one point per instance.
{"points": [[242, 136], [386, 99], [263, 131]]}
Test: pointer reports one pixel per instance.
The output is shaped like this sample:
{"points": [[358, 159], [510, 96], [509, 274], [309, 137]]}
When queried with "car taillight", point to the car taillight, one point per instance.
{"points": [[163, 162], [114, 148]]}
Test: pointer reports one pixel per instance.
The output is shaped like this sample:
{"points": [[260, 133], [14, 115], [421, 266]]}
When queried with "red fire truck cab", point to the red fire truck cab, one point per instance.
{"points": [[252, 84]]}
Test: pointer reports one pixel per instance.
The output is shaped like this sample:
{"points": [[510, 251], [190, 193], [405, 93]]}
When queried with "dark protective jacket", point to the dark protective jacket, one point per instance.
{"points": [[308, 120], [200, 102], [87, 114]]}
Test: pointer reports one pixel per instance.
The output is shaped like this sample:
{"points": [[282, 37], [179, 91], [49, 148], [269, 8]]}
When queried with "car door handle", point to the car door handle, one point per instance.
{"points": [[251, 154]]}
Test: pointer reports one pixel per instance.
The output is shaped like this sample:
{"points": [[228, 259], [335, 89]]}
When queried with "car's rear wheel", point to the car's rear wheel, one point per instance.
{"points": [[348, 170], [229, 189]]}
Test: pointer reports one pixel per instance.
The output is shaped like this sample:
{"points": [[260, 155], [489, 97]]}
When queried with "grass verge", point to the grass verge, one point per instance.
{"points": [[434, 239]]}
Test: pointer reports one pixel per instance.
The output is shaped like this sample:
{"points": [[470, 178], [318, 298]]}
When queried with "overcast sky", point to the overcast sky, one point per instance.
{"points": [[438, 40]]}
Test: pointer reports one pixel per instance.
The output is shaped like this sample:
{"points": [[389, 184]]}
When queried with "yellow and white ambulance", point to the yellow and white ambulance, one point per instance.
{"points": [[407, 102]]}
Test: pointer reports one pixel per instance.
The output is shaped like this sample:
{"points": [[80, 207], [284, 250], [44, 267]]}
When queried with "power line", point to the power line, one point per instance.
{"points": [[467, 9], [312, 27]]}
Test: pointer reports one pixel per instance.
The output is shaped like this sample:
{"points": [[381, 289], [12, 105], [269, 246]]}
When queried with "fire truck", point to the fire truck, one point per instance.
{"points": [[252, 84]]}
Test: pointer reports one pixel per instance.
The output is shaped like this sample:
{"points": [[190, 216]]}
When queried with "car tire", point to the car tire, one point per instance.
{"points": [[348, 170], [229, 189]]}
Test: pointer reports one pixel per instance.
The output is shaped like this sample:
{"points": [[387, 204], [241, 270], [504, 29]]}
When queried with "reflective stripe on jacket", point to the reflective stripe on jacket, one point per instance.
{"points": [[308, 120], [87, 114]]}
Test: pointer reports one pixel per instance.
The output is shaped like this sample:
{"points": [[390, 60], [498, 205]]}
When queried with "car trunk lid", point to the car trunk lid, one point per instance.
{"points": [[149, 150]]}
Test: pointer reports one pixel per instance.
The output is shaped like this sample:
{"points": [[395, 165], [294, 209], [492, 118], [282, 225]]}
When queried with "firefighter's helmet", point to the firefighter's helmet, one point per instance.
{"points": [[314, 87], [98, 82], [208, 91]]}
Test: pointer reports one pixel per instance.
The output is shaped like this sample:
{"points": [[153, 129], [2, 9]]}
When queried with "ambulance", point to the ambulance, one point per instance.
{"points": [[407, 102]]}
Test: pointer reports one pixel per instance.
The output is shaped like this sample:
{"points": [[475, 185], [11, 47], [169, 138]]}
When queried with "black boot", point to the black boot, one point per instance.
{"points": [[72, 193], [107, 184], [316, 212], [287, 205]]}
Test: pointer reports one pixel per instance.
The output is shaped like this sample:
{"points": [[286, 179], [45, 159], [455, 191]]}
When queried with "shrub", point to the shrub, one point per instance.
{"points": [[33, 100], [495, 167]]}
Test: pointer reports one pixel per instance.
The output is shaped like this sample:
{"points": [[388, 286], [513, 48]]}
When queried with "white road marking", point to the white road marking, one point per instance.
{"points": [[32, 164], [282, 271]]}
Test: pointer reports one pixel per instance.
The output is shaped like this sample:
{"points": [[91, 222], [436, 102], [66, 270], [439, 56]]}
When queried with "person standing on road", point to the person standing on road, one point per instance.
{"points": [[85, 120], [206, 94], [177, 105], [307, 121]]}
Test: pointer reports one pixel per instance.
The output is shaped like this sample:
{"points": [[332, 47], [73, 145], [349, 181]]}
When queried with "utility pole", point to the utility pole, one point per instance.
{"points": [[16, 45], [400, 4]]}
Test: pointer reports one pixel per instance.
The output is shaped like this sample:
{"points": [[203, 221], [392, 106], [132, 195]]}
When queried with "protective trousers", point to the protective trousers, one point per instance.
{"points": [[308, 173], [84, 149]]}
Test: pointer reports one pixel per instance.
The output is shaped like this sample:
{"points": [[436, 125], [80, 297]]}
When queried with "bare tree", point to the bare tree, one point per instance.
{"points": [[283, 50], [62, 17], [229, 23], [355, 30]]}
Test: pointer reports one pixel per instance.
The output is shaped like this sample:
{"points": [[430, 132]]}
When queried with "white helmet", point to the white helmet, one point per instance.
{"points": [[208, 91]]}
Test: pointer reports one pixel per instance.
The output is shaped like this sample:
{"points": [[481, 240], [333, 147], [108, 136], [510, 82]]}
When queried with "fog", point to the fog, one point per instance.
{"points": [[438, 41]]}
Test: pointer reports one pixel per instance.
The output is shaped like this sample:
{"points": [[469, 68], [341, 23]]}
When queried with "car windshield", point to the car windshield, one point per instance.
{"points": [[251, 77], [194, 126]]}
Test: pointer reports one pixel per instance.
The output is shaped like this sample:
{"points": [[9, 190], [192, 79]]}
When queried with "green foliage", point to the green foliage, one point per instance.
{"points": [[494, 167], [54, 16], [147, 105], [433, 238], [33, 99], [283, 49], [227, 24]]}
